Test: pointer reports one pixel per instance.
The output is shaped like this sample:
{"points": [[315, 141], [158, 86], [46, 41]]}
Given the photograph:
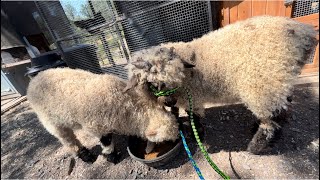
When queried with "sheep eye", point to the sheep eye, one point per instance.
{"points": [[163, 85]]}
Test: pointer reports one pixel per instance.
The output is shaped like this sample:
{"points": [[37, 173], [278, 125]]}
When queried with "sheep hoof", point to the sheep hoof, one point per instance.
{"points": [[260, 143], [86, 155], [114, 157]]}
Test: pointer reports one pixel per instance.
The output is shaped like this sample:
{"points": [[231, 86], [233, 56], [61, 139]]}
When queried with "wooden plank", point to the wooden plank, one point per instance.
{"points": [[16, 63], [244, 10], [288, 11], [3, 102], [307, 18], [12, 104], [282, 8], [233, 8], [10, 96], [273, 8], [312, 19], [308, 75], [309, 70], [270, 10], [259, 7], [312, 78], [225, 13], [316, 56], [313, 22], [5, 93]]}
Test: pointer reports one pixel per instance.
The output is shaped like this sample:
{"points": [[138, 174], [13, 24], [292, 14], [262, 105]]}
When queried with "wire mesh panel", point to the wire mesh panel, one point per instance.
{"points": [[305, 7], [83, 44], [101, 37], [98, 52], [152, 23], [55, 18]]}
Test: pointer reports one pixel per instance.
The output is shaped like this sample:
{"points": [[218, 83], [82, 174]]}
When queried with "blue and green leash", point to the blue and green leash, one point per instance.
{"points": [[202, 148]]}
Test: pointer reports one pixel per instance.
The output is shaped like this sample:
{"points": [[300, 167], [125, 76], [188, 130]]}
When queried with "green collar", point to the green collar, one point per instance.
{"points": [[163, 93]]}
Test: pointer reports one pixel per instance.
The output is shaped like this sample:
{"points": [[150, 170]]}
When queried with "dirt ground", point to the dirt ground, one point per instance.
{"points": [[28, 151]]}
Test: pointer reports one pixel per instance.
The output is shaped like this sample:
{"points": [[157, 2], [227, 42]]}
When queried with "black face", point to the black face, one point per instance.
{"points": [[170, 101]]}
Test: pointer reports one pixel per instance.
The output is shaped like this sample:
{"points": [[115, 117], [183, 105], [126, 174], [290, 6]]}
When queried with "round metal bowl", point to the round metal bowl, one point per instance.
{"points": [[136, 149]]}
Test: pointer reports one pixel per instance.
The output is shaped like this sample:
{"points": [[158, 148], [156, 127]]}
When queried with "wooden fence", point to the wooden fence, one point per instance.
{"points": [[232, 11]]}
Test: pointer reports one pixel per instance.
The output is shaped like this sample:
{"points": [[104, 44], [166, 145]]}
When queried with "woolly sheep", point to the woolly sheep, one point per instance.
{"points": [[67, 99], [253, 62]]}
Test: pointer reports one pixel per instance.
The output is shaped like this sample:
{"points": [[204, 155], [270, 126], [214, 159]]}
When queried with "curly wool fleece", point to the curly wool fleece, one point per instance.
{"points": [[253, 61], [68, 99]]}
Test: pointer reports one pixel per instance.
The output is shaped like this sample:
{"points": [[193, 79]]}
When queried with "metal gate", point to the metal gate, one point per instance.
{"points": [[103, 39]]}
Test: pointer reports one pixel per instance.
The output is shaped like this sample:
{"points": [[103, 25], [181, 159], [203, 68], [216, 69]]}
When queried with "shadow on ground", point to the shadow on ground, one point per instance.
{"points": [[28, 151], [230, 129], [22, 137]]}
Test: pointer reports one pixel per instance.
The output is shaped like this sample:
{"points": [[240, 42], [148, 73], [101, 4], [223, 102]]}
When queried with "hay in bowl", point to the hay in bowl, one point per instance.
{"points": [[161, 154]]}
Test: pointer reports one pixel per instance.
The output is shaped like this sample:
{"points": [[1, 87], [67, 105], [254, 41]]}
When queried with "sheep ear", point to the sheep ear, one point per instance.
{"points": [[191, 59], [140, 64], [188, 65], [131, 83], [172, 50]]}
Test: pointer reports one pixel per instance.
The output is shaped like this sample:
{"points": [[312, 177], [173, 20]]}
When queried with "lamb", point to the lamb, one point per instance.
{"points": [[68, 99], [253, 62]]}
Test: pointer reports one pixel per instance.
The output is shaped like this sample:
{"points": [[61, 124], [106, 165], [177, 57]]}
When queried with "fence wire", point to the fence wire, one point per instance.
{"points": [[103, 40]]}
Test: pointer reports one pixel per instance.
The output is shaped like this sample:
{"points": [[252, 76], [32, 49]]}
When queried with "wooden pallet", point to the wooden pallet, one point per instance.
{"points": [[9, 103]]}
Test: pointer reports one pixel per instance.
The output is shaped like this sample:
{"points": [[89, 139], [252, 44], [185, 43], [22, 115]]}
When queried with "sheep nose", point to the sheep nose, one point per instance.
{"points": [[151, 133], [170, 101]]}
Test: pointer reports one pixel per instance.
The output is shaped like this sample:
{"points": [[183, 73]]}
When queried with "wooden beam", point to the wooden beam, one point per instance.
{"points": [[312, 19], [10, 65], [3, 102], [12, 104], [11, 96], [244, 10], [259, 7], [288, 11], [307, 79], [233, 12], [225, 12], [5, 93]]}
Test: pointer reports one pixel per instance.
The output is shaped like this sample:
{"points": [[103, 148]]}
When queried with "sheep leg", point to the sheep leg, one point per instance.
{"points": [[175, 112], [69, 140], [269, 130], [107, 146], [262, 138]]}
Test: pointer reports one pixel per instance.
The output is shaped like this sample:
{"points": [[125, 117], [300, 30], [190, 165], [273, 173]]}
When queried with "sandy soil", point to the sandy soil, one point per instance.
{"points": [[28, 151]]}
